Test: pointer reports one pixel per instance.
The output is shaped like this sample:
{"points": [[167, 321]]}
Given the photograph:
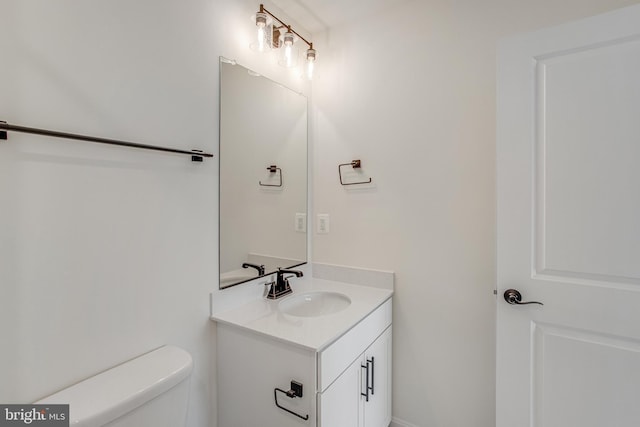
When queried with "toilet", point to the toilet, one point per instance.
{"points": [[150, 390]]}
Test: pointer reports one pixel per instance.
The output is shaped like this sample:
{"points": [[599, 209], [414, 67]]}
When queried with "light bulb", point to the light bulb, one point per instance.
{"points": [[287, 55], [261, 38]]}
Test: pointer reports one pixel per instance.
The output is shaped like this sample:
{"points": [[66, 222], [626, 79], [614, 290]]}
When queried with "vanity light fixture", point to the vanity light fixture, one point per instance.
{"points": [[279, 35]]}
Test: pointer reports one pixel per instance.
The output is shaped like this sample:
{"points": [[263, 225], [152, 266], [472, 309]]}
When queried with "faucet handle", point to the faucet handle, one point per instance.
{"points": [[269, 289]]}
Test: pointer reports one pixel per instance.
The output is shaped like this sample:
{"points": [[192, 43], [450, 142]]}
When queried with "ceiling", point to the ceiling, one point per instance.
{"points": [[319, 15]]}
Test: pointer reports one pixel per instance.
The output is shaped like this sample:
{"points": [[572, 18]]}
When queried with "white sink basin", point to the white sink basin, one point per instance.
{"points": [[314, 304]]}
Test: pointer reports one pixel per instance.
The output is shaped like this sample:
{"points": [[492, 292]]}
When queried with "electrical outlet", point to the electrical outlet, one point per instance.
{"points": [[323, 224], [301, 222]]}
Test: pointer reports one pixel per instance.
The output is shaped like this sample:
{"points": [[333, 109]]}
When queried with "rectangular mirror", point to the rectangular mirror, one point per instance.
{"points": [[263, 175]]}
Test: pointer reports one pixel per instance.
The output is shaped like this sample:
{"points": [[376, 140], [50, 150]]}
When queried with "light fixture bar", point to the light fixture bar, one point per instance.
{"points": [[264, 10]]}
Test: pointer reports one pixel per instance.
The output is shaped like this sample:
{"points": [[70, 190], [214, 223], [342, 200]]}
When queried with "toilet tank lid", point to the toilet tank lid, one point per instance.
{"points": [[114, 392]]}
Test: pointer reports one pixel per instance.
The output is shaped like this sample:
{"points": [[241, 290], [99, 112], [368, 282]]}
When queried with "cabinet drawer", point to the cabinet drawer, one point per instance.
{"points": [[338, 356]]}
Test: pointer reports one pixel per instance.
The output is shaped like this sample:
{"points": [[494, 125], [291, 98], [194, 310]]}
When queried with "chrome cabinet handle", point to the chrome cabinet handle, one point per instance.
{"points": [[514, 297]]}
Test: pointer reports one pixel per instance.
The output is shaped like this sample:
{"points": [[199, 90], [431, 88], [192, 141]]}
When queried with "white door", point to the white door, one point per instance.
{"points": [[569, 225]]}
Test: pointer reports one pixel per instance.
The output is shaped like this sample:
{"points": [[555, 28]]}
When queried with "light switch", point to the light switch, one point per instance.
{"points": [[323, 224], [301, 222]]}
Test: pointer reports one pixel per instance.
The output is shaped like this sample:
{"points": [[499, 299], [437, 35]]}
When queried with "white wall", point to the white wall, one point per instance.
{"points": [[107, 252], [412, 94]]}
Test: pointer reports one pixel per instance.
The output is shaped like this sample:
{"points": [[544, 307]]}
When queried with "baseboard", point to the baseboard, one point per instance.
{"points": [[395, 422]]}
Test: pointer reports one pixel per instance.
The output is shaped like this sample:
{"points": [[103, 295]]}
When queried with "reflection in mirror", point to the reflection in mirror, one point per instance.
{"points": [[263, 175]]}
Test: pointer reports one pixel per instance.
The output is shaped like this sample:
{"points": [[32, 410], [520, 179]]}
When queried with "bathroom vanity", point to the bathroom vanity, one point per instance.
{"points": [[318, 357]]}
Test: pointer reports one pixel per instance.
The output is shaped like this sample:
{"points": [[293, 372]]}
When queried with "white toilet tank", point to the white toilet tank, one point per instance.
{"points": [[149, 391]]}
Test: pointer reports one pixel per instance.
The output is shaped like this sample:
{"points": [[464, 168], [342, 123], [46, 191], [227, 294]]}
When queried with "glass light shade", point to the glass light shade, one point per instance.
{"points": [[310, 63], [289, 55], [261, 44]]}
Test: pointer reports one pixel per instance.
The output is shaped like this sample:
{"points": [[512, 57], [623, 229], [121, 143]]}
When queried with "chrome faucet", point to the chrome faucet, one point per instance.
{"points": [[281, 286], [260, 268]]}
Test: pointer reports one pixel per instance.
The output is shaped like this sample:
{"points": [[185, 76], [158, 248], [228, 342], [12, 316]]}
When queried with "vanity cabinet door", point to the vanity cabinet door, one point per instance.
{"points": [[361, 395], [377, 411], [339, 405]]}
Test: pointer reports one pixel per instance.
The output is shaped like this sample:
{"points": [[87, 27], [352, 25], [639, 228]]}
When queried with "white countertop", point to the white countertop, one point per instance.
{"points": [[313, 333]]}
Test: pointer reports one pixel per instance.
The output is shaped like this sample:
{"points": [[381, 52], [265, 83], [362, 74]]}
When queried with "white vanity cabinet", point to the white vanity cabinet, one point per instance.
{"points": [[346, 382]]}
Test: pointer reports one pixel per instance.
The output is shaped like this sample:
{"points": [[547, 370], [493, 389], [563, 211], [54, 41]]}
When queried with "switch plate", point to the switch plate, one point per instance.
{"points": [[323, 224], [301, 222]]}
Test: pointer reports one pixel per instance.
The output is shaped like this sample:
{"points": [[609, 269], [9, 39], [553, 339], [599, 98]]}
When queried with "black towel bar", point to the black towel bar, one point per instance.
{"points": [[196, 155]]}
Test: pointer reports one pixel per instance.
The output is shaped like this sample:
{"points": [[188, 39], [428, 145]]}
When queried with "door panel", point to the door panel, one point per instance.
{"points": [[586, 171], [568, 230], [573, 371]]}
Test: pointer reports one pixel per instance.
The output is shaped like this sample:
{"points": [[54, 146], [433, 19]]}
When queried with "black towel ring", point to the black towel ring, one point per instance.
{"points": [[356, 164]]}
